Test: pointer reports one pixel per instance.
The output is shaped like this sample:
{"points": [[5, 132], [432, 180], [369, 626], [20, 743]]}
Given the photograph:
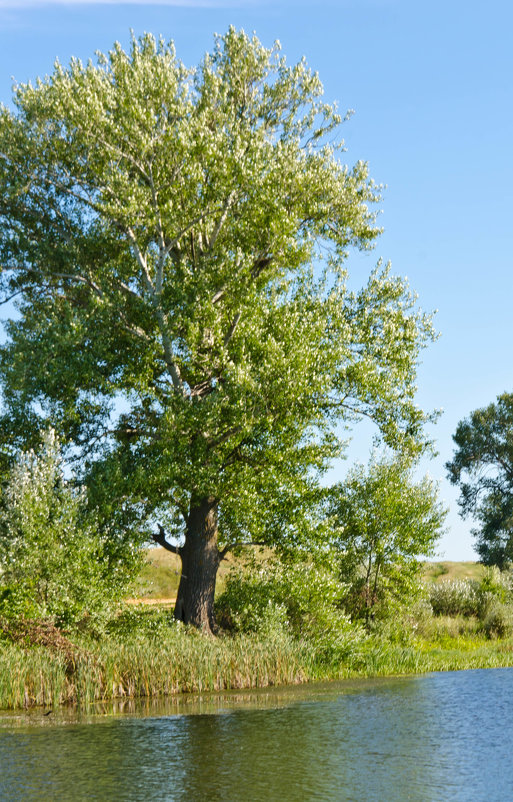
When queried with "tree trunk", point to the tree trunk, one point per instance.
{"points": [[200, 561]]}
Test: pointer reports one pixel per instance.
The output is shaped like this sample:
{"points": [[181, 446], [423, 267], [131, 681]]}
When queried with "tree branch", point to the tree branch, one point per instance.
{"points": [[231, 330], [10, 297], [135, 331], [259, 265], [160, 538], [81, 279], [224, 437], [224, 213], [155, 299], [171, 245], [124, 155], [141, 260], [159, 278]]}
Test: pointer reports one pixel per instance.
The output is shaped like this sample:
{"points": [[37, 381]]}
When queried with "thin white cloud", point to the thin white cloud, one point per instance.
{"points": [[19, 4]]}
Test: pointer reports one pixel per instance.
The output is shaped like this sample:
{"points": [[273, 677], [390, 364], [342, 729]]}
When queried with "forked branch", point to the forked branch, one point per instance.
{"points": [[160, 538]]}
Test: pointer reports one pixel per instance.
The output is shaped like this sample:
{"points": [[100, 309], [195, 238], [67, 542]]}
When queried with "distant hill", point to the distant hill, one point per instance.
{"points": [[160, 577], [440, 571]]}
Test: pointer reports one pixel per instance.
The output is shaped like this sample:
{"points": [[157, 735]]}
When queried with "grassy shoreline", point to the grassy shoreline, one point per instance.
{"points": [[187, 662], [142, 653]]}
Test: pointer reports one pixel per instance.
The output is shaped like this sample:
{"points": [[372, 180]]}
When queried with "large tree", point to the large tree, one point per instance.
{"points": [[482, 466], [176, 240]]}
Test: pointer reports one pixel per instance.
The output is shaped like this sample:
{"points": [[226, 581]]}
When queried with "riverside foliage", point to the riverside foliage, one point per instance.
{"points": [[156, 656], [63, 638], [281, 621], [55, 566]]}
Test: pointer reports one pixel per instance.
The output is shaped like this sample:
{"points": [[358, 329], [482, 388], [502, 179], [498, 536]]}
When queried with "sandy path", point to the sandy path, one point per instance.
{"points": [[151, 602]]}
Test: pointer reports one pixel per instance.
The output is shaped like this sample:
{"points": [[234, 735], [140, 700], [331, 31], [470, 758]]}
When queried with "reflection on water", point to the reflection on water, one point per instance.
{"points": [[433, 738]]}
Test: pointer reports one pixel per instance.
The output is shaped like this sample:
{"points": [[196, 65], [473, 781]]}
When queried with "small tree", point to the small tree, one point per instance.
{"points": [[384, 521], [482, 466], [53, 564]]}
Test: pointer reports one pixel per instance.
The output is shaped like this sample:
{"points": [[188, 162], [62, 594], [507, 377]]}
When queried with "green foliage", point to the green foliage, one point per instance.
{"points": [[496, 583], [482, 466], [489, 600], [498, 620], [135, 623], [160, 227], [383, 521], [455, 597], [53, 563], [302, 598]]}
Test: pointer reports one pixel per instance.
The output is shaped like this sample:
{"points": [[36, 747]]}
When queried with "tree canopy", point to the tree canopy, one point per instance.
{"points": [[482, 466], [176, 242]]}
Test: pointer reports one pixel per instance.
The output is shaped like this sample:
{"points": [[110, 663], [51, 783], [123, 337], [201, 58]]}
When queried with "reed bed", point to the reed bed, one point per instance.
{"points": [[31, 677], [182, 663], [185, 661]]}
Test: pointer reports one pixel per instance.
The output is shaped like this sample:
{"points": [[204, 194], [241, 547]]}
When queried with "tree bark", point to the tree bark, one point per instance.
{"points": [[200, 561]]}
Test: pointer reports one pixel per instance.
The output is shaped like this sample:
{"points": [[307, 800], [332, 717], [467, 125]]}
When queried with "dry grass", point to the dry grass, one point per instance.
{"points": [[160, 576], [446, 570]]}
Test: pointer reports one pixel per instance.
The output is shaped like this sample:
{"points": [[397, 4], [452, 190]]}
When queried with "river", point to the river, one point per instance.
{"points": [[429, 738]]}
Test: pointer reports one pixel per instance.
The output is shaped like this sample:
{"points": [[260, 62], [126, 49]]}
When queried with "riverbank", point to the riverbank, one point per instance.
{"points": [[170, 659], [140, 651]]}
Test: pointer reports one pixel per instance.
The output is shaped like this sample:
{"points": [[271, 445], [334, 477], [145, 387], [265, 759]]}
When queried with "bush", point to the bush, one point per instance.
{"points": [[498, 620], [497, 583], [301, 598], [54, 565], [134, 623], [455, 597], [468, 597]]}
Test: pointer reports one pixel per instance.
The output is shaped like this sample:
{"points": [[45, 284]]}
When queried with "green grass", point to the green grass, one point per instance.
{"points": [[187, 664], [156, 657], [179, 661]]}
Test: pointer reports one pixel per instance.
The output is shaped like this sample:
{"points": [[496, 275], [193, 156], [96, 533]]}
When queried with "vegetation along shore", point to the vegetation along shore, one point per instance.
{"points": [[456, 623], [187, 355]]}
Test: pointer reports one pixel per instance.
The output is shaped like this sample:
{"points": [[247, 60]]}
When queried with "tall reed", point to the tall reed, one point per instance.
{"points": [[173, 660], [147, 667]]}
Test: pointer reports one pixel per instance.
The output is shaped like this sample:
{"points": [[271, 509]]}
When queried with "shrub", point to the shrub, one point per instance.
{"points": [[498, 620], [302, 598], [497, 584], [468, 597], [134, 623], [455, 597], [53, 563]]}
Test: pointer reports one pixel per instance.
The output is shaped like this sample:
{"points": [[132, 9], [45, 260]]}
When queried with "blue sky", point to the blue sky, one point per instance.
{"points": [[431, 86]]}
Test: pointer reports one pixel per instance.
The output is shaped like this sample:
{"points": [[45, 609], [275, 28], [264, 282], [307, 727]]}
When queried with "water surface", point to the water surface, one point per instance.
{"points": [[429, 738]]}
